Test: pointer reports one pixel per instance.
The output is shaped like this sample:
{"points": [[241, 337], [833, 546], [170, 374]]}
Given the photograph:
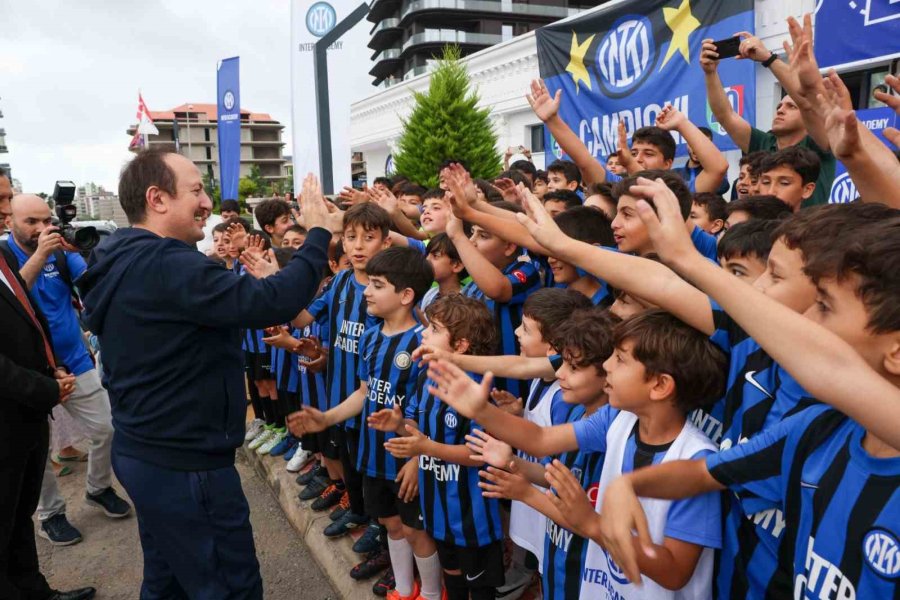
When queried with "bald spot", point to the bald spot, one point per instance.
{"points": [[29, 205]]}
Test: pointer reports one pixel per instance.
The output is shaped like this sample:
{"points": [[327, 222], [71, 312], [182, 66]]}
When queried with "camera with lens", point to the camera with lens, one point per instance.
{"points": [[83, 238]]}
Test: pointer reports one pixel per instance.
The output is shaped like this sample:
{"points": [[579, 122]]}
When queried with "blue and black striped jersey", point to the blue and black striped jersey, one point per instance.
{"points": [[391, 377], [284, 367], [344, 306], [251, 339], [311, 386], [841, 505], [453, 508], [525, 279]]}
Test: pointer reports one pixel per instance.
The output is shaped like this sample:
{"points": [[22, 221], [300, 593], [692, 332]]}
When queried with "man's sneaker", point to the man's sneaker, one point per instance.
{"points": [[287, 443], [313, 489], [262, 438], [300, 458], [342, 507], [254, 428], [317, 471], [516, 580], [384, 584], [58, 531], [109, 502], [395, 595], [330, 497], [375, 562], [345, 524], [371, 540], [278, 435]]}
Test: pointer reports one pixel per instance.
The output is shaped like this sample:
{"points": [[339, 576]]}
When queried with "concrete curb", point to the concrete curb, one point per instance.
{"points": [[335, 557]]}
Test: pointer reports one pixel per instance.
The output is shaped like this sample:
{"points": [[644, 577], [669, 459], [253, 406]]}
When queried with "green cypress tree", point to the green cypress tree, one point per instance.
{"points": [[446, 123]]}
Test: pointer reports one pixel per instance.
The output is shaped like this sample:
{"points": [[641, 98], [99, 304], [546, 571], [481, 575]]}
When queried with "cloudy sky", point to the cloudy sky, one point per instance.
{"points": [[70, 73]]}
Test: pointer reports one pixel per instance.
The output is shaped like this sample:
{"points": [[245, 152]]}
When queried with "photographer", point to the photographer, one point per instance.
{"points": [[48, 265]]}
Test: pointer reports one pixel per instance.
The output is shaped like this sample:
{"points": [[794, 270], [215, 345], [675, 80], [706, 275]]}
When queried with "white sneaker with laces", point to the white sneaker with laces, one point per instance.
{"points": [[261, 439], [274, 440], [254, 428], [300, 458]]}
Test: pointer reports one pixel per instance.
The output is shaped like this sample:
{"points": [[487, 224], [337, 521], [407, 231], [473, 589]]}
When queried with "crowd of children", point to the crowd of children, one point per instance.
{"points": [[604, 380]]}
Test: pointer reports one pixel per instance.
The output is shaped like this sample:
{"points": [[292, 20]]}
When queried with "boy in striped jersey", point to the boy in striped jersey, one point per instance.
{"points": [[465, 525], [388, 377], [835, 477]]}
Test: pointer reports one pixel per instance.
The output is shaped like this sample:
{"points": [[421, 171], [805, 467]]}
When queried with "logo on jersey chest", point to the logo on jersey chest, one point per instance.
{"points": [[451, 421], [403, 361], [882, 552]]}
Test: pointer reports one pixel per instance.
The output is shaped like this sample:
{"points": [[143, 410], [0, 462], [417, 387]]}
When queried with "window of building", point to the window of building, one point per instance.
{"points": [[537, 137]]}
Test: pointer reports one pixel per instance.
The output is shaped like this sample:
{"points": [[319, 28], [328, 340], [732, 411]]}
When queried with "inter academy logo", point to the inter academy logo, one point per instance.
{"points": [[403, 361], [843, 190], [450, 420], [626, 56], [228, 100], [615, 571], [320, 18], [882, 552]]}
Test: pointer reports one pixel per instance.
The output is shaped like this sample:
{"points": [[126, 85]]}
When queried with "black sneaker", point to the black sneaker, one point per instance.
{"points": [[345, 524], [385, 584], [109, 502], [370, 541], [330, 497], [58, 531], [317, 471], [375, 563], [313, 489], [342, 507]]}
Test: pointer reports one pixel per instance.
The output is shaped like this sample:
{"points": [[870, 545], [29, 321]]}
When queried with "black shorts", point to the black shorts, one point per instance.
{"points": [[481, 566], [381, 500], [290, 399], [258, 366], [329, 443]]}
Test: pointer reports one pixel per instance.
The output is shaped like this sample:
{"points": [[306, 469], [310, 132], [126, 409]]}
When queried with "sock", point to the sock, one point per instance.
{"points": [[402, 563], [456, 587], [339, 484], [430, 571]]}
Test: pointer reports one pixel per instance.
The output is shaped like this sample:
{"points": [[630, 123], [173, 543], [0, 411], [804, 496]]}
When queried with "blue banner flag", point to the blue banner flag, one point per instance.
{"points": [[852, 31], [628, 59], [876, 120], [229, 129]]}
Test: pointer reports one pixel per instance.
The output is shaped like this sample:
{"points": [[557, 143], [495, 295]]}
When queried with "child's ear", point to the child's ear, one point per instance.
{"points": [[572, 186], [511, 249], [407, 297], [808, 190], [718, 226], [663, 387], [461, 346], [386, 242], [892, 355], [456, 266]]}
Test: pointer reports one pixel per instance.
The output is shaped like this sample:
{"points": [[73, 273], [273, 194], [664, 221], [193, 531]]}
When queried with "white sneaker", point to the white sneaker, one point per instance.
{"points": [[253, 429], [274, 440], [260, 439], [297, 462], [517, 580]]}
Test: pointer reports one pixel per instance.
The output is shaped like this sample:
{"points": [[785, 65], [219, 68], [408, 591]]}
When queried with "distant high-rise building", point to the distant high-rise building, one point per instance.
{"points": [[191, 130], [95, 203]]}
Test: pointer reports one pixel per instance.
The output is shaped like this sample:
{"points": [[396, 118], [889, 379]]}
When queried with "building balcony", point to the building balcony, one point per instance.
{"points": [[385, 33], [261, 160], [473, 8], [463, 38], [385, 62], [382, 9]]}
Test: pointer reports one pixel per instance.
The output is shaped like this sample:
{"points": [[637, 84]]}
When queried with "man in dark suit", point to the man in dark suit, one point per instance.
{"points": [[30, 386]]}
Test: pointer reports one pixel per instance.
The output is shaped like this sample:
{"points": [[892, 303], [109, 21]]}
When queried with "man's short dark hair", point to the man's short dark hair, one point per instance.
{"points": [[268, 211], [714, 204], [656, 136], [750, 238], [147, 169], [672, 180], [802, 160], [764, 206], [869, 256], [587, 225], [666, 345], [567, 169], [549, 307], [567, 197], [516, 176], [465, 319], [525, 166], [585, 338], [386, 181], [412, 189], [370, 216], [230, 205], [403, 268]]}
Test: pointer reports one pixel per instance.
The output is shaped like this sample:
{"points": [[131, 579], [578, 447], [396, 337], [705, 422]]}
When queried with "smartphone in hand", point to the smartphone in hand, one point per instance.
{"points": [[728, 48]]}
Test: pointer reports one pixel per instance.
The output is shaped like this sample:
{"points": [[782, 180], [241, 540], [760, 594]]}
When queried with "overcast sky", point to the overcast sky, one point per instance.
{"points": [[70, 73]]}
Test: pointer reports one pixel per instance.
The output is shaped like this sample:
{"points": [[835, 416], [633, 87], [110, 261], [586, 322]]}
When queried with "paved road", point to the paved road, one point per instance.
{"points": [[109, 558]]}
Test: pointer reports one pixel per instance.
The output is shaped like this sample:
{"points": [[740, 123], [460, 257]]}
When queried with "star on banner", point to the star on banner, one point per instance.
{"points": [[576, 66], [682, 23]]}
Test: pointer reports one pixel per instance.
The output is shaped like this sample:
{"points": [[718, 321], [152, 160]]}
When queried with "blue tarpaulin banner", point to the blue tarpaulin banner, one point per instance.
{"points": [[629, 59], [852, 31], [229, 126], [876, 120]]}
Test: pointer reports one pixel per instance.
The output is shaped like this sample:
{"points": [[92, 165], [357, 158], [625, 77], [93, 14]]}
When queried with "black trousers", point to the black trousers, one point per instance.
{"points": [[23, 457]]}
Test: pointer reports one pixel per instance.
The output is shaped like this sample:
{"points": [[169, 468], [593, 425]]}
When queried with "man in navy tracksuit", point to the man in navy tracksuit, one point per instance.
{"points": [[168, 319]]}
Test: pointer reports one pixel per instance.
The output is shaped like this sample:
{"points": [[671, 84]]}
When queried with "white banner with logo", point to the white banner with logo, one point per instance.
{"points": [[349, 61]]}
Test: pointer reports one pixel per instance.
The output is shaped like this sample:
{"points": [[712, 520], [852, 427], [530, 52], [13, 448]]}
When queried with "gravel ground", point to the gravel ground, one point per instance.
{"points": [[109, 558]]}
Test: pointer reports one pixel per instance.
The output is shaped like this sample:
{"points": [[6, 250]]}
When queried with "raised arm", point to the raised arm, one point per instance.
{"points": [[714, 164], [486, 276], [504, 365], [738, 129]]}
